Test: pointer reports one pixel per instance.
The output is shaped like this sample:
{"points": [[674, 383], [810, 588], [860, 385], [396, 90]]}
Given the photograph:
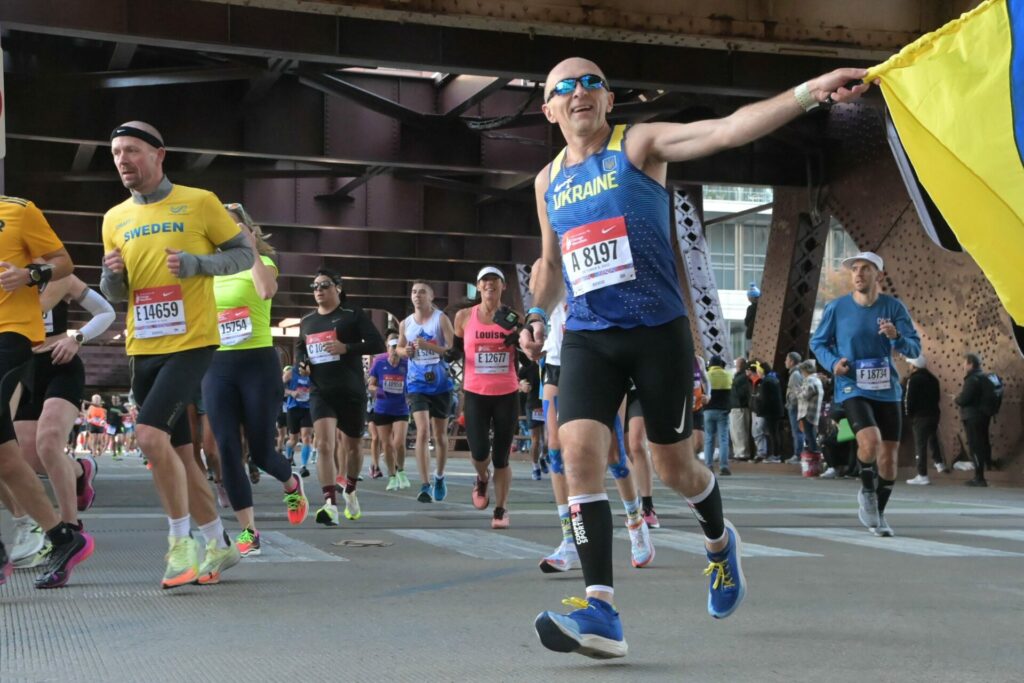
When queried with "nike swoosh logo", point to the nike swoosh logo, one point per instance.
{"points": [[564, 184], [605, 231], [682, 422]]}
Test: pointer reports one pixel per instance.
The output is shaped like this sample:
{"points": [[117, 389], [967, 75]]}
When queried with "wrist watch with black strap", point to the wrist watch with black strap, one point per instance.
{"points": [[39, 273]]}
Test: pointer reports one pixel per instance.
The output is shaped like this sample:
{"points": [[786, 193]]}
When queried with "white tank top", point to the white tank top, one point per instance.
{"points": [[430, 331]]}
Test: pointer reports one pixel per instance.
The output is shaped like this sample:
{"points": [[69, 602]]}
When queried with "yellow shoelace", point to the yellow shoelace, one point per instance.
{"points": [[723, 579], [575, 603]]}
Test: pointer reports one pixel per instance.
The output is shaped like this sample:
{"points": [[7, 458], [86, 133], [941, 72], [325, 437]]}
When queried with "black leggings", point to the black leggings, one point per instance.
{"points": [[243, 388], [484, 413]]}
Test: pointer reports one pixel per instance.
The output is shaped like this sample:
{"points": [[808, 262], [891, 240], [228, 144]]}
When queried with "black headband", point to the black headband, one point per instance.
{"points": [[121, 131]]}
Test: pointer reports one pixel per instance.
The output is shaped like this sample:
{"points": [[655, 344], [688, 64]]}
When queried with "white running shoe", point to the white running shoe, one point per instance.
{"points": [[940, 467], [883, 529], [963, 466], [29, 539], [352, 510], [563, 559], [867, 511], [640, 545], [920, 480], [830, 473]]}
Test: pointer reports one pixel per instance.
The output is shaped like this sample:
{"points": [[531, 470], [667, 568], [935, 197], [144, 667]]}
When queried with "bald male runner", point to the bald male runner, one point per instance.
{"points": [[606, 237]]}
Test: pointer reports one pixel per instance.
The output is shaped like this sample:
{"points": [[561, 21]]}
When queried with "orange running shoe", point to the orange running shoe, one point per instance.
{"points": [[297, 504]]}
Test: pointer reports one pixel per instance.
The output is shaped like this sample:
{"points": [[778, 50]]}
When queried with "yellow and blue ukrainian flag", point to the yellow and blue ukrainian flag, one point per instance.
{"points": [[956, 98]]}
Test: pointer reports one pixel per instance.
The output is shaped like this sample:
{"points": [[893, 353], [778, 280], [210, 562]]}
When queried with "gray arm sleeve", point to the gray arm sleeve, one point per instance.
{"points": [[234, 256], [114, 285]]}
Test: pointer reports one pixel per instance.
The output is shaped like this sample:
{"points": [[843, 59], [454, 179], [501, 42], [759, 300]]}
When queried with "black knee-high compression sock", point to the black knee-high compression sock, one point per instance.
{"points": [[591, 519], [707, 508], [884, 490], [867, 477]]}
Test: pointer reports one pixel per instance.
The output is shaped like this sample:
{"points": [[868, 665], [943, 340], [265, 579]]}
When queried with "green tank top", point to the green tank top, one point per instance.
{"points": [[243, 318]]}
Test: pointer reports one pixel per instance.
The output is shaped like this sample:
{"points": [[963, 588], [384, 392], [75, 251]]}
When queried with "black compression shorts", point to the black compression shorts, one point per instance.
{"points": [[164, 384], [599, 365], [15, 356], [551, 373], [44, 381], [866, 412]]}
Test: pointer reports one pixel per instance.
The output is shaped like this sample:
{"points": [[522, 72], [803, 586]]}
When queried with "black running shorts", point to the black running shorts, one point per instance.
{"points": [[45, 380], [439, 405], [347, 409], [297, 419], [164, 384], [867, 412], [599, 364], [385, 420], [551, 373], [15, 356]]}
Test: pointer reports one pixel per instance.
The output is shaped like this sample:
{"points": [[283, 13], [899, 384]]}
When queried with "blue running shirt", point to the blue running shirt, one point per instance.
{"points": [[614, 228], [849, 330]]}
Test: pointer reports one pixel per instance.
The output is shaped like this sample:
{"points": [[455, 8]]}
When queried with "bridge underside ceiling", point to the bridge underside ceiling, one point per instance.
{"points": [[399, 140]]}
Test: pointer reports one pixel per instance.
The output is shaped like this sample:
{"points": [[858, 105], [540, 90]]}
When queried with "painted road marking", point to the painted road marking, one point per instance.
{"points": [[689, 542], [1008, 534], [278, 547], [898, 544], [483, 545]]}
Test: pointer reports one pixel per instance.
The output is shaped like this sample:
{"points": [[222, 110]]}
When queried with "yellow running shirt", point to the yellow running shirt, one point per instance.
{"points": [[24, 235], [167, 314], [243, 318]]}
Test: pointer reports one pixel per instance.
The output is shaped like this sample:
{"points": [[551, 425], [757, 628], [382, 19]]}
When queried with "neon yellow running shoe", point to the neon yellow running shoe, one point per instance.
{"points": [[182, 563], [218, 560]]}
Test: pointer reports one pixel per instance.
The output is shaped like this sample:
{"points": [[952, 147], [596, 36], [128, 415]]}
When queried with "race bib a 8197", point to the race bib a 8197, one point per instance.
{"points": [[597, 255]]}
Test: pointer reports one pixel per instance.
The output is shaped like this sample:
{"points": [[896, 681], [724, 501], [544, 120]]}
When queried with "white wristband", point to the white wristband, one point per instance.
{"points": [[804, 97]]}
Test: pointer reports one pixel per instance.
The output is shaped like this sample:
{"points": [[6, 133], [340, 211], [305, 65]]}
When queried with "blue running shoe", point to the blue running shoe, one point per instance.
{"points": [[544, 464], [593, 629], [440, 488], [727, 586]]}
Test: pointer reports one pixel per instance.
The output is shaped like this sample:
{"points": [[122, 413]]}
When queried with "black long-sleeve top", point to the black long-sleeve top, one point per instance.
{"points": [[350, 326]]}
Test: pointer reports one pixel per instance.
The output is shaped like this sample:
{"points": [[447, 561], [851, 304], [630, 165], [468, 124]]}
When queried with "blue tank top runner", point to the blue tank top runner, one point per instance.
{"points": [[303, 384], [614, 229]]}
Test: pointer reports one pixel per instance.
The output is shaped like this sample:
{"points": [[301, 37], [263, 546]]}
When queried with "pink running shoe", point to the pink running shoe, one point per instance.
{"points": [[500, 519], [83, 485], [480, 498], [652, 519], [64, 558]]}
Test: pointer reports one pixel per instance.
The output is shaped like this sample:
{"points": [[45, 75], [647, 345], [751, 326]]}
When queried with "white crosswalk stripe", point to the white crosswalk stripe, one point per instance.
{"points": [[693, 543], [1008, 534], [899, 544], [275, 547], [483, 545]]}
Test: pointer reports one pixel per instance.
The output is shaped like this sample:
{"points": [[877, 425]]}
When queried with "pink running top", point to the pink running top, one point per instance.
{"points": [[490, 368]]}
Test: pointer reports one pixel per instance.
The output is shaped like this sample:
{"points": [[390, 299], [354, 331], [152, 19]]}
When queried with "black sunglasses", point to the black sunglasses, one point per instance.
{"points": [[320, 286], [566, 86]]}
